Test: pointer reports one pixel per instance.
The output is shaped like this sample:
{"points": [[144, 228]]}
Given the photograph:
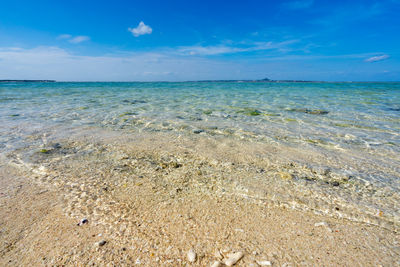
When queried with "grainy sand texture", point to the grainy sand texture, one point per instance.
{"points": [[176, 200]]}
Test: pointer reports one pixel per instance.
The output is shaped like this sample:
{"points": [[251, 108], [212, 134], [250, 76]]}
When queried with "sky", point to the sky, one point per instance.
{"points": [[200, 40]]}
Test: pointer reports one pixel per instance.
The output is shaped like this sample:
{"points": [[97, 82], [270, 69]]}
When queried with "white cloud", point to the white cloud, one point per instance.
{"points": [[59, 64], [79, 39], [377, 58], [141, 29], [302, 4]]}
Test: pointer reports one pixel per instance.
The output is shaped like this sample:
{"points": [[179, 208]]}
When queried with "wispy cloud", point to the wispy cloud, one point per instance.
{"points": [[301, 4], [60, 64], [141, 29], [79, 39], [199, 50], [377, 58], [74, 40]]}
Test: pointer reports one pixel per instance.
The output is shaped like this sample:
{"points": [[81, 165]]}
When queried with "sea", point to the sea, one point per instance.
{"points": [[354, 128]]}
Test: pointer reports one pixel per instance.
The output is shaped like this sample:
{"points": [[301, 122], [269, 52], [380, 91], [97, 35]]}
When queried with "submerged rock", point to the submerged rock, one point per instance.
{"points": [[134, 101], [197, 131], [317, 111], [310, 111], [176, 165], [212, 127], [250, 112], [56, 146], [335, 183]]}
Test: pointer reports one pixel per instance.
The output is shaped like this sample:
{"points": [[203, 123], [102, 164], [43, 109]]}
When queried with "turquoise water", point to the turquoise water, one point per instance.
{"points": [[362, 117], [355, 125], [359, 115]]}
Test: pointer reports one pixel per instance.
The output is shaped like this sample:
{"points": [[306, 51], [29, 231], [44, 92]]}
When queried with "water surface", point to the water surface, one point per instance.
{"points": [[355, 126]]}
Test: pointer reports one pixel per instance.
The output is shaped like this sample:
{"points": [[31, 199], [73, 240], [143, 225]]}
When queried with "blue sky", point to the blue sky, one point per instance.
{"points": [[194, 40]]}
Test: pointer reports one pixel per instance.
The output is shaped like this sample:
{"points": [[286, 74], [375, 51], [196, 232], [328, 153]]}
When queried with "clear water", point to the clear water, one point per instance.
{"points": [[358, 122], [361, 115]]}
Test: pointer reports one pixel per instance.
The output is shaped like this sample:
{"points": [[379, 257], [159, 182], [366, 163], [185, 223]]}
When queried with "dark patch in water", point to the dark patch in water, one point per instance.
{"points": [[134, 101], [250, 112], [196, 119], [197, 131], [310, 111], [128, 113], [57, 146], [53, 150], [394, 109]]}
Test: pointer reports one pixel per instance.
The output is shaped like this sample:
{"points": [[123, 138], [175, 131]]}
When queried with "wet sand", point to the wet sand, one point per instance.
{"points": [[152, 198]]}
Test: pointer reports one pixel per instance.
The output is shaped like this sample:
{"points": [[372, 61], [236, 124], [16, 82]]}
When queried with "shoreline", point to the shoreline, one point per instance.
{"points": [[145, 193]]}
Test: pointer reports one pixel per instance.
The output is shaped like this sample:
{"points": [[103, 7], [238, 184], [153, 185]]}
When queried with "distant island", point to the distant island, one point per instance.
{"points": [[27, 81]]}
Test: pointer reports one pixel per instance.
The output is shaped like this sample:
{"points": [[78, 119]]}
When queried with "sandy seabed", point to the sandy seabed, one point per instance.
{"points": [[151, 198]]}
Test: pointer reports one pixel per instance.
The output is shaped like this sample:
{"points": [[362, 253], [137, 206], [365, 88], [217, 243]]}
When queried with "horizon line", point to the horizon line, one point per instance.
{"points": [[240, 80]]}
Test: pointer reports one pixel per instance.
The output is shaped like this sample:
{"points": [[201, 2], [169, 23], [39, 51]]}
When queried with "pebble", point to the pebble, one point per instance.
{"points": [[56, 146], [335, 183], [191, 255], [197, 131], [216, 264], [83, 221], [102, 243], [264, 263], [233, 258]]}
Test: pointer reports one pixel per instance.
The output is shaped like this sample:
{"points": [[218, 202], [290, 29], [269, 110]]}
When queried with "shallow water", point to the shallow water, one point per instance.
{"points": [[359, 115], [345, 129]]}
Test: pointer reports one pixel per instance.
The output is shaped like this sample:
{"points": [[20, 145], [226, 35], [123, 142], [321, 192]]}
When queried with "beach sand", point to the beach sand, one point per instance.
{"points": [[153, 197]]}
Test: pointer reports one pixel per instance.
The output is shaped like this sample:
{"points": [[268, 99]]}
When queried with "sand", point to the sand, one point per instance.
{"points": [[152, 198]]}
